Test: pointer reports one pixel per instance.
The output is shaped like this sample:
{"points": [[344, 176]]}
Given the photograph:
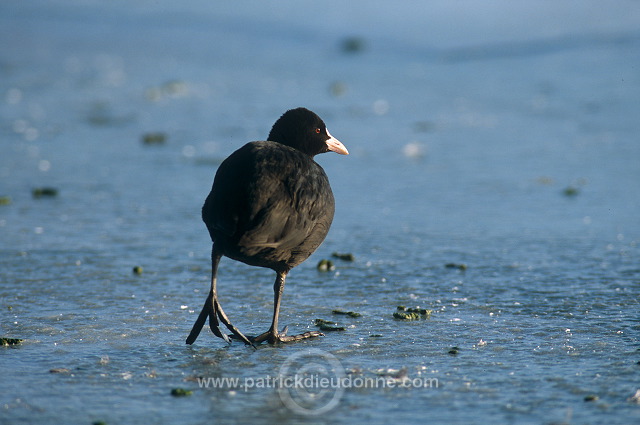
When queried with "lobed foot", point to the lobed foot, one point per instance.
{"points": [[274, 337]]}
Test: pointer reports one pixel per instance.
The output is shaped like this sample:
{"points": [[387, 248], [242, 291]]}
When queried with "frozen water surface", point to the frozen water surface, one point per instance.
{"points": [[500, 136]]}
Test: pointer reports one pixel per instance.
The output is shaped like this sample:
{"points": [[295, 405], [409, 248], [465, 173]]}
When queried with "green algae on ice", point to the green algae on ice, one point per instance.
{"points": [[5, 342], [344, 257], [180, 392], [328, 326], [411, 313], [44, 192], [460, 266], [325, 266], [347, 313], [155, 138], [403, 315]]}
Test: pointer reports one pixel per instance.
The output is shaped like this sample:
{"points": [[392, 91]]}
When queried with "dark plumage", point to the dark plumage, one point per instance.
{"points": [[270, 206]]}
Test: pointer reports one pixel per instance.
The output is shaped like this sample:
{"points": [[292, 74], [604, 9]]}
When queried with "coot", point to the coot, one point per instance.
{"points": [[270, 206]]}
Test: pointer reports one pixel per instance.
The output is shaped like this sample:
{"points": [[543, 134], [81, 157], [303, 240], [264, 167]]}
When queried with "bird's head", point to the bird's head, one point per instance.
{"points": [[302, 129]]}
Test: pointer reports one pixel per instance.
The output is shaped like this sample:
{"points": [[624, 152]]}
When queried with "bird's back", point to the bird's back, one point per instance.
{"points": [[270, 206]]}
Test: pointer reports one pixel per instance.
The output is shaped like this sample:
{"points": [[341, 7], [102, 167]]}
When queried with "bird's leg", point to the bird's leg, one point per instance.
{"points": [[210, 306], [201, 320], [235, 331], [272, 335], [216, 310]]}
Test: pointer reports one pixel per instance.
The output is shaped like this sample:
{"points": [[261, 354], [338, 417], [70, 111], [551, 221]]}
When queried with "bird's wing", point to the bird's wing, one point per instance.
{"points": [[287, 206], [262, 199]]}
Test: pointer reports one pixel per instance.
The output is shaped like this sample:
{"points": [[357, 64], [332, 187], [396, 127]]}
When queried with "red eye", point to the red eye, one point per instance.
{"points": [[318, 130]]}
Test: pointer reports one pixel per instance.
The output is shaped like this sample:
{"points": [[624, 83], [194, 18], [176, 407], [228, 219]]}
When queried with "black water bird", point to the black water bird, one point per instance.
{"points": [[270, 206]]}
